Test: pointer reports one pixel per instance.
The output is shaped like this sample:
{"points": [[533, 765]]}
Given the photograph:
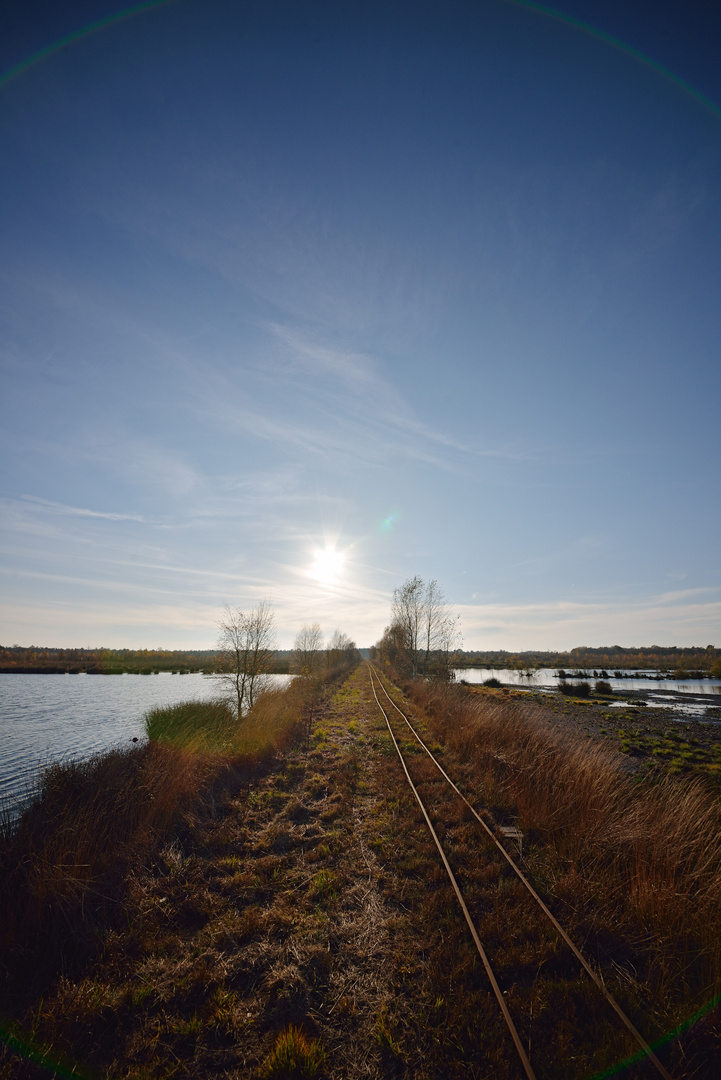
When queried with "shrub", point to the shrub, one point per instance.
{"points": [[493, 683], [579, 689], [603, 687]]}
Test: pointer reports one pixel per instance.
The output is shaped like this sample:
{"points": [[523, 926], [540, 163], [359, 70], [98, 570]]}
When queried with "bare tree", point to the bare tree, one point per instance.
{"points": [[307, 656], [407, 613], [246, 647], [440, 627], [341, 651], [423, 630]]}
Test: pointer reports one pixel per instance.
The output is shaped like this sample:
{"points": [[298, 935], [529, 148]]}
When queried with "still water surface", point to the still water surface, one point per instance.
{"points": [[49, 718], [660, 693]]}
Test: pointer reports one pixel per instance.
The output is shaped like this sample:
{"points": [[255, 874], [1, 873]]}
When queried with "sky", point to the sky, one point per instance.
{"points": [[299, 300]]}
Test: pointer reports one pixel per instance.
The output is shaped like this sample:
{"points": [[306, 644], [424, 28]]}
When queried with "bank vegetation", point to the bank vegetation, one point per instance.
{"points": [[66, 861]]}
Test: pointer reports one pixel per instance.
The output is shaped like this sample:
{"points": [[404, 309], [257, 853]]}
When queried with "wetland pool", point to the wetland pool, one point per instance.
{"points": [[49, 718]]}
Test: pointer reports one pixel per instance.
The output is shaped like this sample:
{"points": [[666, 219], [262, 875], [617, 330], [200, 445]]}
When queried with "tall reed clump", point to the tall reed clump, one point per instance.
{"points": [[643, 858], [213, 728], [196, 727], [64, 863]]}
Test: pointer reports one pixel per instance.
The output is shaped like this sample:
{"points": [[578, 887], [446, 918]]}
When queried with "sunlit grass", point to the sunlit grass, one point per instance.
{"points": [[63, 862], [294, 1057], [642, 854], [204, 727]]}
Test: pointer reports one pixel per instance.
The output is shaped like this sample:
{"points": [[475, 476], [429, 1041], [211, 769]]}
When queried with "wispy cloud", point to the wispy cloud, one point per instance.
{"points": [[82, 609], [664, 619], [78, 511], [353, 386]]}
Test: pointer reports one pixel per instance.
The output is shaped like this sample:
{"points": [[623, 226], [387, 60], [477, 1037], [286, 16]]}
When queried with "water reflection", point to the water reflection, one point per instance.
{"points": [[48, 718], [548, 678], [659, 691]]}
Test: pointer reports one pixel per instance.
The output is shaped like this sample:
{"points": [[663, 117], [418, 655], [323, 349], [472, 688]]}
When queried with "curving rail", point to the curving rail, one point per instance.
{"points": [[375, 677]]}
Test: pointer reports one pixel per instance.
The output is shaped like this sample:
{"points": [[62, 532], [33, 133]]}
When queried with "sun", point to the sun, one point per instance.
{"points": [[327, 565]]}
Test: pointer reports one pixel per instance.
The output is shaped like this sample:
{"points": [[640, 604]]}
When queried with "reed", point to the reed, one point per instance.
{"points": [[65, 862], [643, 859], [197, 727]]}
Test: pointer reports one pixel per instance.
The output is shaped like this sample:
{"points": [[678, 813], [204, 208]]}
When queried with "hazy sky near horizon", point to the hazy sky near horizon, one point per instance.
{"points": [[430, 285]]}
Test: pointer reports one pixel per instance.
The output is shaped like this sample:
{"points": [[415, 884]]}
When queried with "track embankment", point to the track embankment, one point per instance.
{"points": [[315, 902]]}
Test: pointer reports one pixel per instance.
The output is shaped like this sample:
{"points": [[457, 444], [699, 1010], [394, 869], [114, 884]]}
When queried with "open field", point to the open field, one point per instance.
{"points": [[301, 915]]}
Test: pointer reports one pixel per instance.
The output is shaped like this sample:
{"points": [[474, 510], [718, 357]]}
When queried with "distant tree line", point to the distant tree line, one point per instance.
{"points": [[100, 661], [681, 660]]}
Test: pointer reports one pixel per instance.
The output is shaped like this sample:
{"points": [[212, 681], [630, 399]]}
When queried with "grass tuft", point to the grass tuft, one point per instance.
{"points": [[294, 1057]]}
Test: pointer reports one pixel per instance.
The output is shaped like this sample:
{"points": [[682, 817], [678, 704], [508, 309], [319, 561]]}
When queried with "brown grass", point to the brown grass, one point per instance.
{"points": [[64, 865], [641, 855], [313, 900]]}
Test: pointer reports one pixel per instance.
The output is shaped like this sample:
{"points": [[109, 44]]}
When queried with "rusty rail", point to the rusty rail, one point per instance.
{"points": [[516, 869], [474, 933]]}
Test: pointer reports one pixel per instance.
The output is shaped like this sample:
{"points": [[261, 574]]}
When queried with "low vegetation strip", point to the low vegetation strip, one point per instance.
{"points": [[299, 918], [635, 865], [459, 895], [64, 864], [684, 662], [513, 863], [50, 661]]}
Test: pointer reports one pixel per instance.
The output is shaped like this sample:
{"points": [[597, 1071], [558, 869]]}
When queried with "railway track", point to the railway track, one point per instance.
{"points": [[391, 708]]}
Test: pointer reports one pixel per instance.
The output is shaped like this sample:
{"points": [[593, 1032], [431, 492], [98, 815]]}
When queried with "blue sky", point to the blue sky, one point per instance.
{"points": [[433, 285]]}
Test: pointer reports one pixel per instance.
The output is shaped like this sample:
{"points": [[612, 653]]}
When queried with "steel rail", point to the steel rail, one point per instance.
{"points": [[481, 951], [517, 870]]}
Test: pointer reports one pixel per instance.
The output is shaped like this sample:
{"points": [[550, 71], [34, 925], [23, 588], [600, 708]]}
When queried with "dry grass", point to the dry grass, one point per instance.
{"points": [[64, 864], [310, 910], [641, 858], [62, 867]]}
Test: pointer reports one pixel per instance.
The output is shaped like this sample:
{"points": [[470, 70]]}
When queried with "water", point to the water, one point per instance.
{"points": [[49, 718], [690, 697]]}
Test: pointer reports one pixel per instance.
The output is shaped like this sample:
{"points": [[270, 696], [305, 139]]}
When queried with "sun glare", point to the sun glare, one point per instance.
{"points": [[327, 566]]}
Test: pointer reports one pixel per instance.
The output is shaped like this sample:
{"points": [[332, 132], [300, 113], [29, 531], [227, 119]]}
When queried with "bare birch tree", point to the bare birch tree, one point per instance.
{"points": [[341, 651], [307, 656], [246, 648], [407, 613], [423, 630], [440, 628]]}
